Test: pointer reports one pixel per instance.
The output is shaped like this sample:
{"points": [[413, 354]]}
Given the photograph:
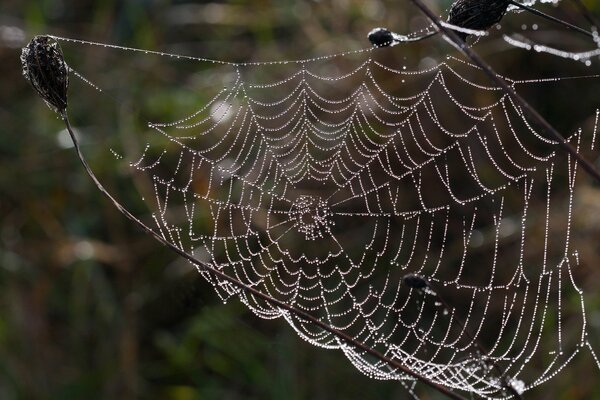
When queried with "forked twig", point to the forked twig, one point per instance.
{"points": [[45, 68], [529, 110]]}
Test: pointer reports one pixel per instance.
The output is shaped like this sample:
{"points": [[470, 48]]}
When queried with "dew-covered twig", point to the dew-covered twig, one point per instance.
{"points": [[551, 18], [526, 108], [44, 66], [466, 18], [418, 282]]}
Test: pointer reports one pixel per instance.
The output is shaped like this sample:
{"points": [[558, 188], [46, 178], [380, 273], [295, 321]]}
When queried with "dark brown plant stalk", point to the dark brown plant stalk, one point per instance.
{"points": [[527, 109], [419, 283], [475, 15], [46, 70], [551, 18]]}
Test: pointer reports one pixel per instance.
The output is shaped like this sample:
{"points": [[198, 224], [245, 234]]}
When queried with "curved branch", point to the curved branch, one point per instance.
{"points": [[219, 274], [528, 110]]}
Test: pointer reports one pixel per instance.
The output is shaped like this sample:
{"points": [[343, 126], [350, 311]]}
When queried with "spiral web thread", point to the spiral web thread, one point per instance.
{"points": [[324, 189]]}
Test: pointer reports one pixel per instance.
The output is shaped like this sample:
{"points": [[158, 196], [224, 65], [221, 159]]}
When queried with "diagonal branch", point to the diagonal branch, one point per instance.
{"points": [[551, 18], [528, 110], [587, 14], [248, 289], [44, 67]]}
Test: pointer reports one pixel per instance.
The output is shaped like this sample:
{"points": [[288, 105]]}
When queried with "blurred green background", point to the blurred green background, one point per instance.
{"points": [[89, 308]]}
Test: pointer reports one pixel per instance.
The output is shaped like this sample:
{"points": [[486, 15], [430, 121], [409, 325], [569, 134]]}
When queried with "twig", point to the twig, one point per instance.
{"points": [[219, 274], [509, 90], [382, 37], [480, 347], [45, 68], [551, 18], [422, 285], [587, 14]]}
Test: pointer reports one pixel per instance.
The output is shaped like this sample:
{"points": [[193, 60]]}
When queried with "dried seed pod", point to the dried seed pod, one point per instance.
{"points": [[476, 14], [381, 37], [414, 281], [45, 68]]}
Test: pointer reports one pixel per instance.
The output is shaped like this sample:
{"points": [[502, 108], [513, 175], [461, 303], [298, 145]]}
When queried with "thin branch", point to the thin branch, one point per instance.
{"points": [[551, 18], [587, 14], [480, 347], [509, 90], [248, 289], [382, 37], [422, 285]]}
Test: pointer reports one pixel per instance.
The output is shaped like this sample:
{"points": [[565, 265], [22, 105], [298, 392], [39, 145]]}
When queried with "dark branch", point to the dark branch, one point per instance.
{"points": [[56, 65], [587, 14], [510, 91], [551, 18], [477, 15]]}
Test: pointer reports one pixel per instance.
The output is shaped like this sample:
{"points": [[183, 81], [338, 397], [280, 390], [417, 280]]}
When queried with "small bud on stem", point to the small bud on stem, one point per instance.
{"points": [[381, 37], [414, 281]]}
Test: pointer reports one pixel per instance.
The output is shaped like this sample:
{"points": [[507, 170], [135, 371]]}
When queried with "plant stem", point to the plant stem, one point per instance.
{"points": [[586, 13], [510, 91], [480, 347], [250, 290], [551, 18]]}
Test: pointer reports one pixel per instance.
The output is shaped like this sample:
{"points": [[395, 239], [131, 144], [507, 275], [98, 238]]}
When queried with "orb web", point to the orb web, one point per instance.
{"points": [[324, 182]]}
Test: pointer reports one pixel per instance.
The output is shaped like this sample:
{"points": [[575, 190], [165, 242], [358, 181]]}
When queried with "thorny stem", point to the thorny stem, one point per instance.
{"points": [[551, 18], [248, 289], [510, 91]]}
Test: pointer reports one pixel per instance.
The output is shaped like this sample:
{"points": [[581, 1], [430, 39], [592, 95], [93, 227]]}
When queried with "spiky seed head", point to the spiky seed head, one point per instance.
{"points": [[478, 15], [44, 67]]}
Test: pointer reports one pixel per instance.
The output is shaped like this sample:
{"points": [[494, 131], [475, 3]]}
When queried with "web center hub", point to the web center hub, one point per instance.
{"points": [[312, 217]]}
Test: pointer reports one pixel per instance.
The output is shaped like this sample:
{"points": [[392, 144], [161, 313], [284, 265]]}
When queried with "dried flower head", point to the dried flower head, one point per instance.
{"points": [[45, 68], [476, 14], [381, 37]]}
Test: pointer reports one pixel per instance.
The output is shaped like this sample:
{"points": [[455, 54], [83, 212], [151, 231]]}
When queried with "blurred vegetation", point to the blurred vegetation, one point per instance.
{"points": [[90, 308]]}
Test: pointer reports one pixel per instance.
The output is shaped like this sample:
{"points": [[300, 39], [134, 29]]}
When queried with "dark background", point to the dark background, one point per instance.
{"points": [[91, 308]]}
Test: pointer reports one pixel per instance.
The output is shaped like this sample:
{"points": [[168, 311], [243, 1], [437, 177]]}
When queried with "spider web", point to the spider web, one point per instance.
{"points": [[324, 182]]}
